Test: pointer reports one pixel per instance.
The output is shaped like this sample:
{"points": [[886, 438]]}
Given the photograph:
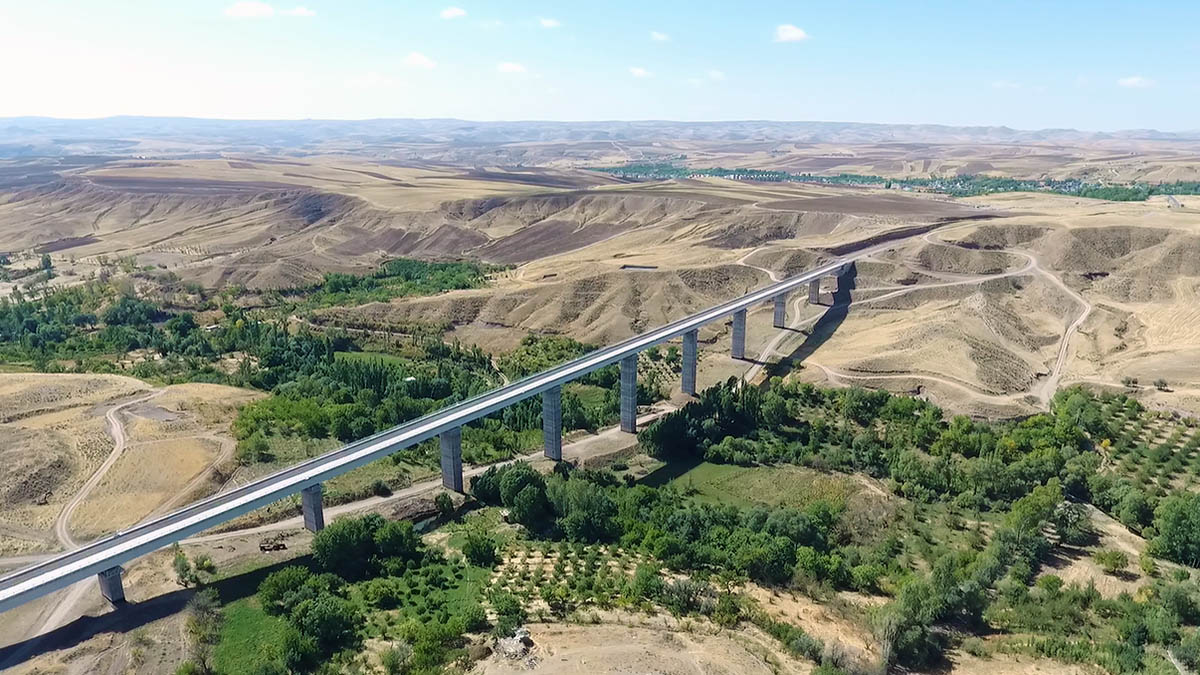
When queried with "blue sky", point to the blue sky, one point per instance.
{"points": [[1088, 65]]}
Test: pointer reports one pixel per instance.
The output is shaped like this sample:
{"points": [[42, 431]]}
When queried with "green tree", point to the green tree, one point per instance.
{"points": [[516, 478], [480, 549], [530, 507], [203, 627], [184, 574], [330, 621], [1177, 523], [347, 546], [398, 539], [275, 592]]}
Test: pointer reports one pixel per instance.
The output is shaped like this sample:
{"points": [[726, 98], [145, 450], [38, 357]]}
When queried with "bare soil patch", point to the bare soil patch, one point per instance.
{"points": [[607, 648]]}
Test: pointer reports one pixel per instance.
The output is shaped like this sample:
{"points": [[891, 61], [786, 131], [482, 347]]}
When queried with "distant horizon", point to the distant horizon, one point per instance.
{"points": [[944, 125]]}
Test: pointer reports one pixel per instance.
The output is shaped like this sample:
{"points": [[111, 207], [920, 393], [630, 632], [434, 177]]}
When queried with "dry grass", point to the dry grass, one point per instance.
{"points": [[56, 437]]}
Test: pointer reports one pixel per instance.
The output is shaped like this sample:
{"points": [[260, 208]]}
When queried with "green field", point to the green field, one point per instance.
{"points": [[250, 639], [589, 394], [784, 485]]}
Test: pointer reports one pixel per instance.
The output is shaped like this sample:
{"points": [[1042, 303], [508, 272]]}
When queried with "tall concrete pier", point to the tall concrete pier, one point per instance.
{"points": [[738, 351], [780, 319], [814, 291], [690, 354], [552, 422], [451, 442], [110, 585], [313, 508], [629, 394]]}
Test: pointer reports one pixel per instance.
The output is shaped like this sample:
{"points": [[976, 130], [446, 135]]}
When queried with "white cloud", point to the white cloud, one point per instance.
{"points": [[639, 72], [453, 12], [1135, 82], [659, 37], [510, 67], [716, 75], [419, 60], [250, 9], [1005, 84], [549, 23], [789, 33], [695, 81]]}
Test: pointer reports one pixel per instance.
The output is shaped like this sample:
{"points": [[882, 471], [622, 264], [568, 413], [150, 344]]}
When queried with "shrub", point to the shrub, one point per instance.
{"points": [[728, 611], [444, 504], [396, 659], [865, 578], [647, 584], [204, 563], [474, 618], [1148, 564], [684, 596], [1111, 561], [509, 613]]}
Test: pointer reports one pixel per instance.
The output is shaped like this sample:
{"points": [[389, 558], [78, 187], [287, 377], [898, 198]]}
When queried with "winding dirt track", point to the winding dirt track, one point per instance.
{"points": [[116, 429], [1043, 390]]}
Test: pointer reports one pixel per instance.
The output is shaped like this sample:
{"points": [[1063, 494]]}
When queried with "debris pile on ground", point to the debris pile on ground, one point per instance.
{"points": [[515, 647]]}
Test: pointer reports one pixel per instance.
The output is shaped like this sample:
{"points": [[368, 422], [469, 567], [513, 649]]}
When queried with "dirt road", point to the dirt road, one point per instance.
{"points": [[116, 429]]}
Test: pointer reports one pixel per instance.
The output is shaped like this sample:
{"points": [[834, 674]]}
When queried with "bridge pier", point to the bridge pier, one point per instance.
{"points": [[629, 394], [552, 422], [814, 292], [110, 585], [780, 311], [313, 507], [451, 442], [690, 354], [738, 350]]}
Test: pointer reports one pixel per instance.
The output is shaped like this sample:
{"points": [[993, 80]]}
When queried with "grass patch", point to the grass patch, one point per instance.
{"points": [[486, 520], [590, 395], [745, 486], [250, 639]]}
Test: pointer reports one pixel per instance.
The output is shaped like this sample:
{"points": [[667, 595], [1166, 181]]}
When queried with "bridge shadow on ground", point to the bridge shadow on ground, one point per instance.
{"points": [[133, 615], [674, 468], [823, 329]]}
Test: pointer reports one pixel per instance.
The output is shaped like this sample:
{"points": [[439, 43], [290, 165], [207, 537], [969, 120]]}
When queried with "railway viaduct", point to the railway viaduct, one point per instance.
{"points": [[103, 558]]}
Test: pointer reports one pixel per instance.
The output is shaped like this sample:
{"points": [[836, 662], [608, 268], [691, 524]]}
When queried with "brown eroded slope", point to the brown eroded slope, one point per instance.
{"points": [[265, 224]]}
